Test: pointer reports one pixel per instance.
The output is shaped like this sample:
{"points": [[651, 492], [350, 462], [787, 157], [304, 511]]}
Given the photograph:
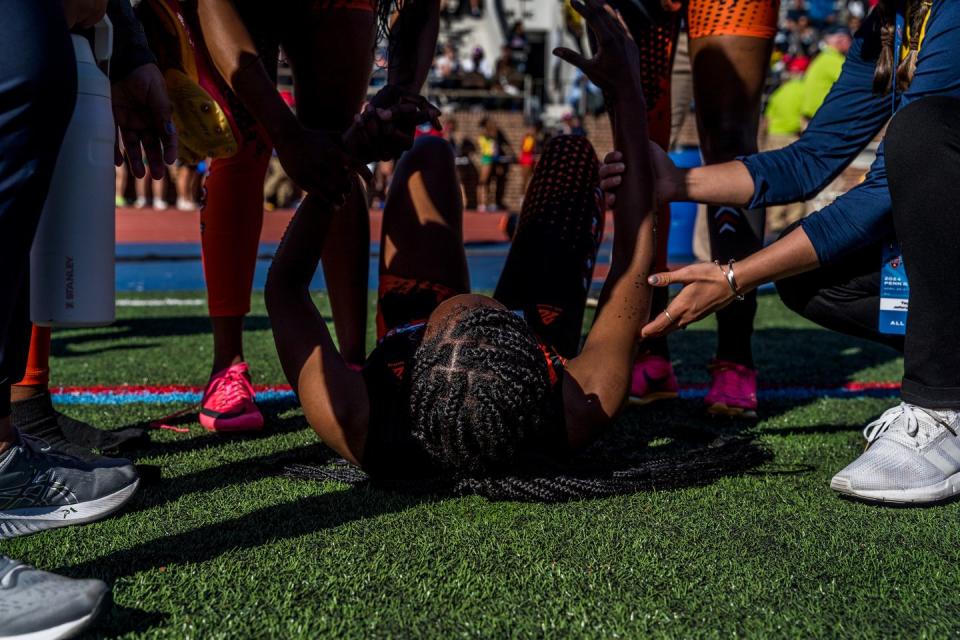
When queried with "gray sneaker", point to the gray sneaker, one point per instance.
{"points": [[38, 605], [40, 489]]}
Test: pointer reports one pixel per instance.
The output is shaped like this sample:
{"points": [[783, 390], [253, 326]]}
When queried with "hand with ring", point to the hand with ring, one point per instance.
{"points": [[705, 291]]}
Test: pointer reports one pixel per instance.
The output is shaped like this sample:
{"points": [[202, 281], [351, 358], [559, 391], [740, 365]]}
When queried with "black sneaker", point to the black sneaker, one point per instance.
{"points": [[36, 417]]}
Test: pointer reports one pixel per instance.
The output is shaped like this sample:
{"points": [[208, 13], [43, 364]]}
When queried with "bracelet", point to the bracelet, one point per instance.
{"points": [[731, 279]]}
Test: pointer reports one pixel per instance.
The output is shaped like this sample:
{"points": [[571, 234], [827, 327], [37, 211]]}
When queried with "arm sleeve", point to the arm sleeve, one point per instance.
{"points": [[863, 215], [849, 118], [130, 49]]}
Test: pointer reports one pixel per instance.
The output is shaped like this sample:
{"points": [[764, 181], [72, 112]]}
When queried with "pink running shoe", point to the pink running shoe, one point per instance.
{"points": [[734, 390], [652, 380], [227, 403]]}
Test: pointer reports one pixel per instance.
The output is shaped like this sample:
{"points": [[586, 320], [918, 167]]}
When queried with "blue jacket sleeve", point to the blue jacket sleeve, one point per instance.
{"points": [[847, 121], [863, 215]]}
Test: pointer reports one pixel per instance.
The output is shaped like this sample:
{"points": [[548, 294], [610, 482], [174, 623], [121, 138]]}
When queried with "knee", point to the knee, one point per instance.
{"points": [[727, 136], [568, 146], [793, 294], [429, 153], [919, 127]]}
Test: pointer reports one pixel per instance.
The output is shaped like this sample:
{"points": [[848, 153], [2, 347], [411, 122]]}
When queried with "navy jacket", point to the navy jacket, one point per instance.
{"points": [[849, 119]]}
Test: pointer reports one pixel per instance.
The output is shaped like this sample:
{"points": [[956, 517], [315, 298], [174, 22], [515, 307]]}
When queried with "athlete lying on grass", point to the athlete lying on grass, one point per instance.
{"points": [[470, 386]]}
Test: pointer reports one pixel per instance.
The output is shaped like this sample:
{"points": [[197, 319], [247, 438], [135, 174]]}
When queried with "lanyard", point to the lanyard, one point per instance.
{"points": [[897, 45]]}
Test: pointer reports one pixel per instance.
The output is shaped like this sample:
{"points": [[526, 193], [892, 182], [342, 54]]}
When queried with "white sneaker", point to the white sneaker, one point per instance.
{"points": [[160, 204], [140, 203], [913, 455]]}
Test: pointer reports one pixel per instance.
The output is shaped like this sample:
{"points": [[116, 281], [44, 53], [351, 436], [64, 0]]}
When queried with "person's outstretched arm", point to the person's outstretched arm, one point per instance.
{"points": [[333, 396], [597, 380]]}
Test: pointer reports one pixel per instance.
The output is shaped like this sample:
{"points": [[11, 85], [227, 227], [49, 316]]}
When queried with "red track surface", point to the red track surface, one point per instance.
{"points": [[172, 226]]}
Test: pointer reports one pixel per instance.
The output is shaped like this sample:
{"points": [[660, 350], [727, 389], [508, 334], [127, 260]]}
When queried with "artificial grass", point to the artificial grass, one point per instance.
{"points": [[223, 547]]}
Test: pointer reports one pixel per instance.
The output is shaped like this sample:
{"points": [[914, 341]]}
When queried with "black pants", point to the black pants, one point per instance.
{"points": [[38, 89], [922, 148]]}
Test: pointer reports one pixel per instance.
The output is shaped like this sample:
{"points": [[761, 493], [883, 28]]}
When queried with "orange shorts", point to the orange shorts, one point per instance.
{"points": [[752, 18]]}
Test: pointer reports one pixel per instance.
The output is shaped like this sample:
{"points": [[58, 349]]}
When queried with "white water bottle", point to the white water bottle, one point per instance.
{"points": [[72, 258]]}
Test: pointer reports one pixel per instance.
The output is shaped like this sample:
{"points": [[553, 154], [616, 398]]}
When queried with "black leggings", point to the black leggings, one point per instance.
{"points": [[923, 166], [38, 89], [550, 265]]}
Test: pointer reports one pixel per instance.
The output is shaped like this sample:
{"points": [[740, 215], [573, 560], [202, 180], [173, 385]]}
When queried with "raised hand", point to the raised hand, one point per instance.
{"points": [[387, 125], [143, 114], [616, 60]]}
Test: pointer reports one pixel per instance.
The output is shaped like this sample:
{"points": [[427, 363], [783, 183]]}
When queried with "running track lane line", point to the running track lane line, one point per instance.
{"points": [[182, 394]]}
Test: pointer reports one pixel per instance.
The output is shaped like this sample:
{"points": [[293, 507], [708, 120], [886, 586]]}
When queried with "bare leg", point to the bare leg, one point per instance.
{"points": [[728, 77], [227, 341], [331, 53]]}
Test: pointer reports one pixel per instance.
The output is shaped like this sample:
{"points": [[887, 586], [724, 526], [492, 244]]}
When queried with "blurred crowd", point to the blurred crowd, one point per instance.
{"points": [[475, 70], [809, 51]]}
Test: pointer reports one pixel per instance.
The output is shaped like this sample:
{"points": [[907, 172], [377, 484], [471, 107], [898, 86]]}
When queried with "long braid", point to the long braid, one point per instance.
{"points": [[887, 26], [607, 472], [917, 11]]}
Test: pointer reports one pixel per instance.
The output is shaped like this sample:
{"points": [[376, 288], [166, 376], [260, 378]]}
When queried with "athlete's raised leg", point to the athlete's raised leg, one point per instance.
{"points": [[550, 266], [331, 53]]}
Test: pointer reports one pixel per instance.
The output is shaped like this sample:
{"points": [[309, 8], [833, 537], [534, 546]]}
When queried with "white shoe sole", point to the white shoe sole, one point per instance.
{"points": [[65, 630], [918, 495], [21, 522]]}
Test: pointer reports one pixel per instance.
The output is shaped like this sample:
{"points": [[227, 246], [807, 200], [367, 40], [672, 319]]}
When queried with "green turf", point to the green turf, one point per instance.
{"points": [[223, 547]]}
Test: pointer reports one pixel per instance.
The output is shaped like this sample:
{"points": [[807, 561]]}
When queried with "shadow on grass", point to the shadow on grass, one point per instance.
{"points": [[74, 343], [677, 448], [126, 619], [275, 423]]}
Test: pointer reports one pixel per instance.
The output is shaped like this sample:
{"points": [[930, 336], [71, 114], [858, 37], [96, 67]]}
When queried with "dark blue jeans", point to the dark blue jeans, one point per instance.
{"points": [[38, 90]]}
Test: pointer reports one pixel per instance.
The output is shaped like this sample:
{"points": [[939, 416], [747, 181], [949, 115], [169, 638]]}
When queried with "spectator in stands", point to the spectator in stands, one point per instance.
{"points": [[825, 69], [188, 185], [478, 63], [151, 193], [797, 38], [783, 117], [519, 46], [506, 76], [446, 68], [495, 159], [533, 142], [463, 150], [583, 96]]}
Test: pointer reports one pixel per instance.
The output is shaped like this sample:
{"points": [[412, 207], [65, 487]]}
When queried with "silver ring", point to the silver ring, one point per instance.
{"points": [[669, 317]]}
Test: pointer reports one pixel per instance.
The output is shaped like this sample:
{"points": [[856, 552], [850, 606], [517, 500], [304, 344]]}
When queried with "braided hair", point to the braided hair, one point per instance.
{"points": [[482, 407], [607, 469], [916, 12], [480, 398]]}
